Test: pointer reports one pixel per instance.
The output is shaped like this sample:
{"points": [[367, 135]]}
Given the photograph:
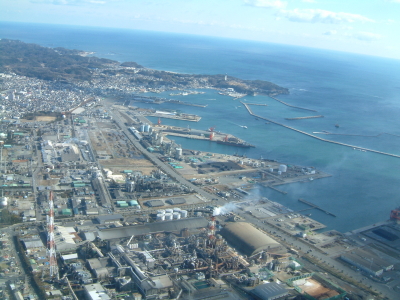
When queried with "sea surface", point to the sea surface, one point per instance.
{"points": [[359, 93]]}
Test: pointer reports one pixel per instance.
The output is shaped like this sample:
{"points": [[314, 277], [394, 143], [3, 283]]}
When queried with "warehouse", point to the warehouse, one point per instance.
{"points": [[249, 240]]}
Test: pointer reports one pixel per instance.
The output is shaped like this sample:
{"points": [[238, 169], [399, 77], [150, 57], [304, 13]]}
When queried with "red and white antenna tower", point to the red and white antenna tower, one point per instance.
{"points": [[51, 251], [211, 228]]}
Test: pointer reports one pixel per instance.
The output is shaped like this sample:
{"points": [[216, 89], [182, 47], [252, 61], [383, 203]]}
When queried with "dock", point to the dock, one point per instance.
{"points": [[317, 137], [316, 207], [301, 118]]}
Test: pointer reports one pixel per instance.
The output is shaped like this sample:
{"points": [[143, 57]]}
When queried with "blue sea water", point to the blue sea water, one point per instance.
{"points": [[360, 93]]}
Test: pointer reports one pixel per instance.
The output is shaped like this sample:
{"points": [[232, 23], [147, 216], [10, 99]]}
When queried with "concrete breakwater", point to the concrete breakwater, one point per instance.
{"points": [[291, 105], [316, 137]]}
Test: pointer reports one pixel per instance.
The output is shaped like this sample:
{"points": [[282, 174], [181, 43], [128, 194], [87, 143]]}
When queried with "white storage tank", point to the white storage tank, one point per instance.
{"points": [[4, 201], [161, 212], [169, 211], [177, 209], [283, 168], [271, 170], [178, 152], [176, 215], [160, 217], [279, 172], [184, 213], [141, 129], [146, 128], [168, 217]]}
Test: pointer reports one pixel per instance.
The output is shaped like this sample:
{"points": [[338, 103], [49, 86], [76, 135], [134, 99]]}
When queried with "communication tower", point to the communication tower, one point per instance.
{"points": [[51, 251]]}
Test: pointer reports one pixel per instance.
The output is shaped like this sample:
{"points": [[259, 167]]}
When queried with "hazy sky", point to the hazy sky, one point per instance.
{"points": [[362, 26]]}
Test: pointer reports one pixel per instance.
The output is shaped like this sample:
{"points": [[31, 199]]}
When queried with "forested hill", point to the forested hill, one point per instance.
{"points": [[66, 65], [47, 63]]}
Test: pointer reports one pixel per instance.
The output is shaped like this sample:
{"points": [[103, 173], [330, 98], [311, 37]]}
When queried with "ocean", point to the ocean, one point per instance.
{"points": [[359, 93]]}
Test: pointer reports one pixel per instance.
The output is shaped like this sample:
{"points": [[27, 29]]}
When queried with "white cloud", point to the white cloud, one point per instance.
{"points": [[367, 36], [266, 3], [309, 1], [71, 2], [322, 16], [330, 32]]}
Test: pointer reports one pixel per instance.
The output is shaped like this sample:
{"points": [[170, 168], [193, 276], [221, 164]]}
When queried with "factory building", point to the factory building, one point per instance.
{"points": [[269, 291], [95, 291], [136, 230], [249, 240], [367, 261]]}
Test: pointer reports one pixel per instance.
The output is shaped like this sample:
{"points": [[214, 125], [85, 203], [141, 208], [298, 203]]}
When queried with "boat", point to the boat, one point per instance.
{"points": [[337, 125], [244, 126], [236, 144]]}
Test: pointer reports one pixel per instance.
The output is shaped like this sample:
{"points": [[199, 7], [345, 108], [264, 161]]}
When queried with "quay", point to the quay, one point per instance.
{"points": [[301, 118], [317, 137], [291, 105], [186, 103], [182, 117], [316, 207]]}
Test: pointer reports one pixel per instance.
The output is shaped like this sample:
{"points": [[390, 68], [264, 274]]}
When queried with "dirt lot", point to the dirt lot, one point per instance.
{"points": [[119, 164], [45, 118]]}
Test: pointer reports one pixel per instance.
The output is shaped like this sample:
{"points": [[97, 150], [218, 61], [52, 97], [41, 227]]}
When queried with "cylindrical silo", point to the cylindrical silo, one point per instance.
{"points": [[160, 217], [184, 213], [176, 215], [283, 168], [168, 217]]}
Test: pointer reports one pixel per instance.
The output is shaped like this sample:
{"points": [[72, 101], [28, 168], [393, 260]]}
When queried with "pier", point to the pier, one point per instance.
{"points": [[301, 118], [291, 105], [317, 137], [316, 207], [277, 190]]}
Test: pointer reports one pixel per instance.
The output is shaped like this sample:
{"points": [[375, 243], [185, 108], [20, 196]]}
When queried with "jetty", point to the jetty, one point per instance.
{"points": [[301, 118], [298, 107], [317, 137], [277, 190], [316, 207], [258, 104]]}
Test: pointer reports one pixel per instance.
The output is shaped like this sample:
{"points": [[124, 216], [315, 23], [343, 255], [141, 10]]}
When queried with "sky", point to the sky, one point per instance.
{"points": [[369, 27]]}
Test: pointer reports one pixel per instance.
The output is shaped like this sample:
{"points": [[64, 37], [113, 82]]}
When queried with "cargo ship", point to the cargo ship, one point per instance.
{"points": [[233, 141], [236, 144]]}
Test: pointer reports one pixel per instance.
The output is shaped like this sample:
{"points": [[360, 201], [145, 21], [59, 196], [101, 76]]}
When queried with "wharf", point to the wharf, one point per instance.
{"points": [[316, 207], [182, 117], [317, 137], [185, 103], [301, 118]]}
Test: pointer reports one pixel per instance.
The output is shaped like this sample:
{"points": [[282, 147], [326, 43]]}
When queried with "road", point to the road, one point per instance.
{"points": [[156, 161]]}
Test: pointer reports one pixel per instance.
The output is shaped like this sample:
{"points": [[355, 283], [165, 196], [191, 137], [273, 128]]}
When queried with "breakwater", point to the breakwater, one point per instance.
{"points": [[316, 137], [298, 107], [301, 118]]}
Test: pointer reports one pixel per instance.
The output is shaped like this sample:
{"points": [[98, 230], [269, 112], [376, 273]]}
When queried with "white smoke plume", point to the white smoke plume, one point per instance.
{"points": [[254, 198]]}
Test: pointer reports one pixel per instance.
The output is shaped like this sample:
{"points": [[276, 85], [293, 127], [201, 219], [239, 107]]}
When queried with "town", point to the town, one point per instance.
{"points": [[98, 202]]}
